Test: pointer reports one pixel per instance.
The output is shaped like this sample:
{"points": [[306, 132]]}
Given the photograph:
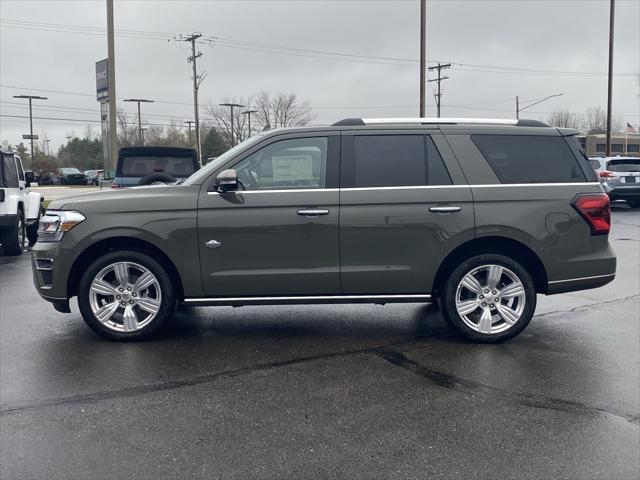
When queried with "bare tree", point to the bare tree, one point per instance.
{"points": [[282, 110], [566, 119], [127, 131], [596, 121], [221, 119]]}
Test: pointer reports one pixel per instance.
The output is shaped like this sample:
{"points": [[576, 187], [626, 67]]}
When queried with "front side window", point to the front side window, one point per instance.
{"points": [[286, 164], [529, 158], [397, 161]]}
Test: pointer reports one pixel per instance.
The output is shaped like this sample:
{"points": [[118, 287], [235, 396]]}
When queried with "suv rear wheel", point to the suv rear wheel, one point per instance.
{"points": [[126, 295], [489, 298]]}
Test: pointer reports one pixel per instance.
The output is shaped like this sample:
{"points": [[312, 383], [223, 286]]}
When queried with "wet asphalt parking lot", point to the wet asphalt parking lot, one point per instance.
{"points": [[355, 391]]}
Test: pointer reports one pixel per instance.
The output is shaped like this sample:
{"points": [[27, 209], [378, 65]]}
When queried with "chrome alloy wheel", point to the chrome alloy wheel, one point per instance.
{"points": [[125, 296], [21, 232], [490, 299]]}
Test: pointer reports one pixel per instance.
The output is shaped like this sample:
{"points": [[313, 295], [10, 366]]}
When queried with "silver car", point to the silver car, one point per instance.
{"points": [[620, 177]]}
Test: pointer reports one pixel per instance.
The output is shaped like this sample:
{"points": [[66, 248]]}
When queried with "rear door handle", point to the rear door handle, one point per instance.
{"points": [[312, 212], [444, 209]]}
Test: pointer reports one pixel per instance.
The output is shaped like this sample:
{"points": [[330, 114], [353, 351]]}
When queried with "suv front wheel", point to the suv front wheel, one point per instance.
{"points": [[126, 295], [489, 298]]}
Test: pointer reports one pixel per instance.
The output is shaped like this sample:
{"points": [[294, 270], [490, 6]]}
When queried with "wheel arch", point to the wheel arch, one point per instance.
{"points": [[500, 245], [120, 243]]}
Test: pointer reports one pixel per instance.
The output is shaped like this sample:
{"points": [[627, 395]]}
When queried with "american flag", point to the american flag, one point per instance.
{"points": [[630, 129]]}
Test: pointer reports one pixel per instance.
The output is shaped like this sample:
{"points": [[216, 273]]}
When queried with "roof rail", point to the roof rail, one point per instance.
{"points": [[439, 121]]}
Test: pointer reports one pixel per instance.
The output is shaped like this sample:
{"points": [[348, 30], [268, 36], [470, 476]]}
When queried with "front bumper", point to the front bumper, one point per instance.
{"points": [[51, 264]]}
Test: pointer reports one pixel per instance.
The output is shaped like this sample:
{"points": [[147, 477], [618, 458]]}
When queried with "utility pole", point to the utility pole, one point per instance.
{"points": [[232, 106], [612, 8], [423, 55], [31, 136], [111, 54], [439, 68], [249, 112], [190, 122], [197, 80], [517, 108], [139, 101]]}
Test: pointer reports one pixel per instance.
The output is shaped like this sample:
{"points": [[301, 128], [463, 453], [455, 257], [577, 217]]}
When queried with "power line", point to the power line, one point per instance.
{"points": [[286, 50]]}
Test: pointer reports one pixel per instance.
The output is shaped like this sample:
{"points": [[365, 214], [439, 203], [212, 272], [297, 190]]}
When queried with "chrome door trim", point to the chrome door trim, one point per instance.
{"points": [[308, 299]]}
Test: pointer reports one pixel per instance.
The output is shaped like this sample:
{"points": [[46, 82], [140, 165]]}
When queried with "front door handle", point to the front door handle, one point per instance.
{"points": [[445, 209], [312, 212]]}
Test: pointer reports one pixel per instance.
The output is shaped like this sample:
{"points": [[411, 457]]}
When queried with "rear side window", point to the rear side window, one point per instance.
{"points": [[529, 158], [397, 161], [140, 166], [595, 164], [10, 171]]}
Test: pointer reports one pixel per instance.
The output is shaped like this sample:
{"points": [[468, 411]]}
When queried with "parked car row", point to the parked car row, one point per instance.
{"points": [[620, 177]]}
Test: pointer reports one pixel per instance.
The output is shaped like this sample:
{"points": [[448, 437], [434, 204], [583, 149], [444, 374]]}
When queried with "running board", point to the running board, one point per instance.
{"points": [[292, 300]]}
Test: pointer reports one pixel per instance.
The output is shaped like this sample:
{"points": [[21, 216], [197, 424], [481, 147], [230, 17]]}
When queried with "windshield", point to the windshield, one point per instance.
{"points": [[205, 171], [69, 171], [624, 165]]}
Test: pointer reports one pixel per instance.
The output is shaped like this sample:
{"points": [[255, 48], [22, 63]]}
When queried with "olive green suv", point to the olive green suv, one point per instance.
{"points": [[480, 215]]}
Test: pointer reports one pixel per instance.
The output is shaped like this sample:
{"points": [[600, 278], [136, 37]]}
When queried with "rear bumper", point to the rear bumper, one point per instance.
{"points": [[624, 192]]}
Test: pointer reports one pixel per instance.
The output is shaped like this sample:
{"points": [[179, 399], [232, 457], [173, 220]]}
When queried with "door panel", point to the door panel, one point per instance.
{"points": [[266, 247], [279, 236], [392, 244], [393, 238]]}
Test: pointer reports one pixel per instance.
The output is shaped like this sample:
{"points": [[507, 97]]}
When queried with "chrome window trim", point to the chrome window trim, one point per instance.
{"points": [[306, 297], [415, 187], [582, 278]]}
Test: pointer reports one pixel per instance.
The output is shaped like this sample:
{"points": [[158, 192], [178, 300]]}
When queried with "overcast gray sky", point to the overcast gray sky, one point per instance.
{"points": [[499, 49]]}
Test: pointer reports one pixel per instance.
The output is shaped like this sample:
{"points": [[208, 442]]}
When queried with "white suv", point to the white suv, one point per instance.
{"points": [[20, 208]]}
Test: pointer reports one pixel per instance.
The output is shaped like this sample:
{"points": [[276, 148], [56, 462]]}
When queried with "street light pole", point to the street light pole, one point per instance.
{"points": [[111, 55], [519, 109], [30, 98], [249, 112], [232, 106], [139, 101]]}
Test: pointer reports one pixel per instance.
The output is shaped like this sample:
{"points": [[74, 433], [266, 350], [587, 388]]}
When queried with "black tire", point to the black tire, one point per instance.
{"points": [[450, 291], [12, 238], [156, 178], [32, 230], [167, 303]]}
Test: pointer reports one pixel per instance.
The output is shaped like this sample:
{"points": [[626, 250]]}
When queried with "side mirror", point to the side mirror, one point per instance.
{"points": [[29, 178], [227, 181]]}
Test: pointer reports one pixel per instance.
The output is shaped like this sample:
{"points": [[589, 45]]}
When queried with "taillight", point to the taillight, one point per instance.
{"points": [[115, 185], [607, 174], [594, 208]]}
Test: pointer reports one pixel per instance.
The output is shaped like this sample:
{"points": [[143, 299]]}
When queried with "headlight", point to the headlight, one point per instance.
{"points": [[55, 223]]}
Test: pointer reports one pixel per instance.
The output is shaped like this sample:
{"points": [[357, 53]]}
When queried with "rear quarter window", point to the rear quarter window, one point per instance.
{"points": [[529, 158]]}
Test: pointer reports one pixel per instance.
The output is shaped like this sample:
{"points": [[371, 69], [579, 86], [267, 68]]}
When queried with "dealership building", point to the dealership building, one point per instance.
{"points": [[624, 144]]}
